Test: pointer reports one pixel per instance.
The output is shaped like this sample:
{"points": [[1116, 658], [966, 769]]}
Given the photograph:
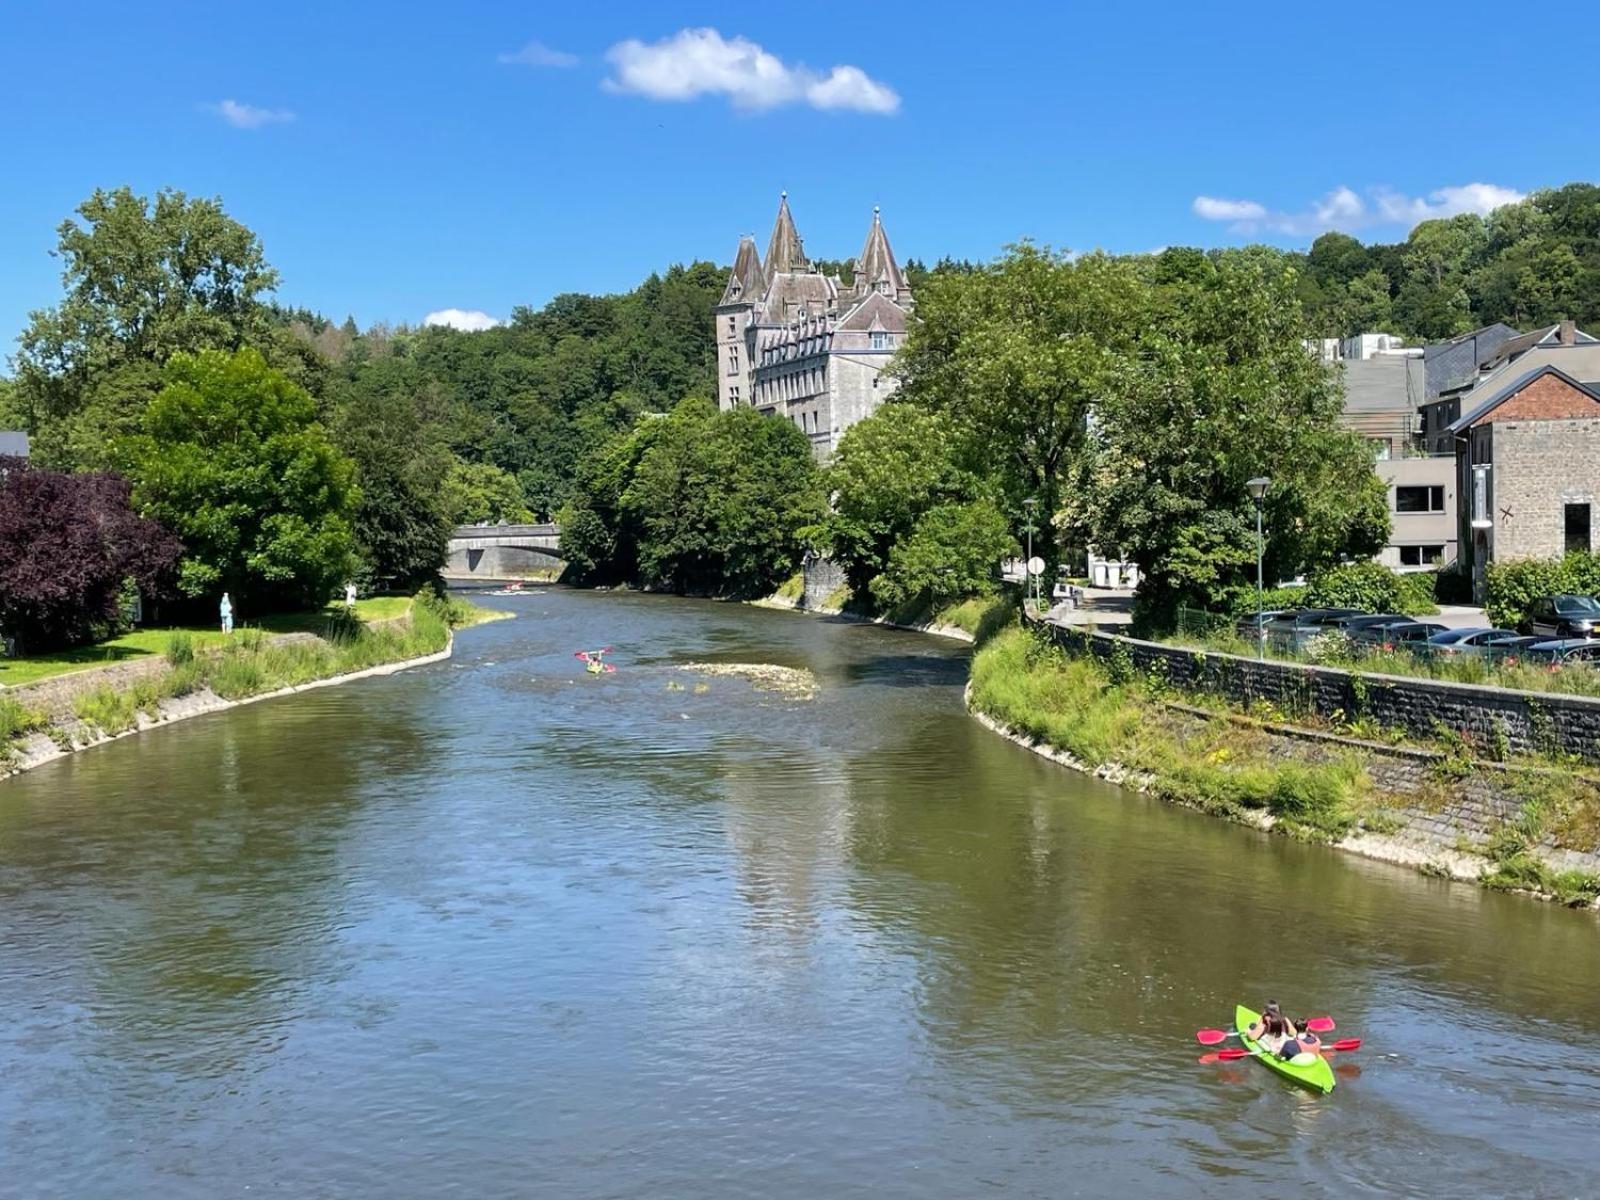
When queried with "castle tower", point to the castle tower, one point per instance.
{"points": [[747, 285], [876, 269], [785, 252]]}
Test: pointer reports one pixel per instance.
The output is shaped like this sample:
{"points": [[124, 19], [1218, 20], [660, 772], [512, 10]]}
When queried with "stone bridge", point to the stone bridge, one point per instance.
{"points": [[503, 551]]}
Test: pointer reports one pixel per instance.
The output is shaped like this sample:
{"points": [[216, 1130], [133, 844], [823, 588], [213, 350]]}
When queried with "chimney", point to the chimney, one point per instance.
{"points": [[1569, 333]]}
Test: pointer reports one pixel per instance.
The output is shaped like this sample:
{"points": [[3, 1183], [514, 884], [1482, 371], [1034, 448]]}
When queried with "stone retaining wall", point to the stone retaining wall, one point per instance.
{"points": [[823, 577], [1524, 722]]}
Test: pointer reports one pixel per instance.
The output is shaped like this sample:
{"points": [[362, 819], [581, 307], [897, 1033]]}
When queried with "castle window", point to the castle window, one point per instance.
{"points": [[882, 341]]}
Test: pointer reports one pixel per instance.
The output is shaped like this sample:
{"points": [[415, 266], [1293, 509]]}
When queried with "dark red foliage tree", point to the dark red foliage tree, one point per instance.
{"points": [[68, 543]]}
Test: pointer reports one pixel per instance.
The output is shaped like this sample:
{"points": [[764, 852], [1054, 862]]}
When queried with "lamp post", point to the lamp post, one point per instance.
{"points": [[1030, 504], [1258, 493]]}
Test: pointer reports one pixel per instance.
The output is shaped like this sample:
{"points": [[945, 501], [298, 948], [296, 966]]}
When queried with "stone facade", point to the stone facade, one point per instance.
{"points": [[808, 347], [1528, 471]]}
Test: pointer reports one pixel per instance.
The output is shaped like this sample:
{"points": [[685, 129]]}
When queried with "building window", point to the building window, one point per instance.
{"points": [[733, 394], [1577, 527], [733, 328], [733, 362], [1417, 499], [1420, 556], [882, 341]]}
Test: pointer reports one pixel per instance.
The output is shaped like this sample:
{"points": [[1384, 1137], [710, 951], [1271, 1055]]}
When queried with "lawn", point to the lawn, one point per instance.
{"points": [[148, 641]]}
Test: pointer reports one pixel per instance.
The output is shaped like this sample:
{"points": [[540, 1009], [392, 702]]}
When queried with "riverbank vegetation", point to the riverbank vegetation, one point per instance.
{"points": [[1026, 682], [251, 662], [1106, 716]]}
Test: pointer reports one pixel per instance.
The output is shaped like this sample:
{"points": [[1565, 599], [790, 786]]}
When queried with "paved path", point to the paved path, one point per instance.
{"points": [[1100, 606]]}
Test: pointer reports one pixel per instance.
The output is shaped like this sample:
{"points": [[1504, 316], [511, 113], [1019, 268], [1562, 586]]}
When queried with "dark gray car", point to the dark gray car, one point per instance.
{"points": [[1564, 617]]}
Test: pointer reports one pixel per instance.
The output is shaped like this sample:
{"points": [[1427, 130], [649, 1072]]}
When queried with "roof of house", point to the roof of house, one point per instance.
{"points": [[1383, 383], [13, 443], [1454, 364], [1581, 361], [1488, 405], [1550, 335]]}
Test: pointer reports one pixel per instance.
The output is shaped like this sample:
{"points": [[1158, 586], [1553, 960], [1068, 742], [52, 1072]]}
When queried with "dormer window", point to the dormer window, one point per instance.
{"points": [[882, 341]]}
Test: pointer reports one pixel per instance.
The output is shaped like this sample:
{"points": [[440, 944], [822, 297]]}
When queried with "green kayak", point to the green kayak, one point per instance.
{"points": [[1311, 1070]]}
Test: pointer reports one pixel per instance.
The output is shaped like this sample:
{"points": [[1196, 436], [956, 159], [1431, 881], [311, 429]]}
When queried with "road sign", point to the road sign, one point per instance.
{"points": [[1036, 565]]}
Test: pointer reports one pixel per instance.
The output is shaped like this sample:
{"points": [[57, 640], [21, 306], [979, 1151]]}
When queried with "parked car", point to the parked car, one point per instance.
{"points": [[1451, 636], [1391, 635], [1453, 642], [1563, 617], [1561, 651], [1298, 627], [1508, 651], [1356, 622], [1250, 626]]}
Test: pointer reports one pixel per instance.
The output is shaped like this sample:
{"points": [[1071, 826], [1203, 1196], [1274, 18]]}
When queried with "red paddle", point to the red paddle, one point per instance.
{"points": [[1211, 1037], [1344, 1044]]}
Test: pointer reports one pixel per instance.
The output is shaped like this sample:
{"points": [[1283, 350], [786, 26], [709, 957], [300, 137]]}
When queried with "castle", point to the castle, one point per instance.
{"points": [[796, 343]]}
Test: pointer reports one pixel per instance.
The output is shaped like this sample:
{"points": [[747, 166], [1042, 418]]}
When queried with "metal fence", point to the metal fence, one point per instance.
{"points": [[1373, 652]]}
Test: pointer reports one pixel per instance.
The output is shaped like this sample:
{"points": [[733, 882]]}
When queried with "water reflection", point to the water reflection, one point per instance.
{"points": [[497, 927]]}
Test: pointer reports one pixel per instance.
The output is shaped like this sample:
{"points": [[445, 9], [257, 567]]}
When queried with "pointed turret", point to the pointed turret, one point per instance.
{"points": [[747, 284], [785, 251], [876, 269]]}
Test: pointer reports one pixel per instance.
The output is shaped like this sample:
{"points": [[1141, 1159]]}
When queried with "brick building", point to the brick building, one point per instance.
{"points": [[808, 347], [1528, 470]]}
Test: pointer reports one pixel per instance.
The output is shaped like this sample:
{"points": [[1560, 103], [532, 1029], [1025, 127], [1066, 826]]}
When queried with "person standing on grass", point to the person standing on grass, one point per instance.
{"points": [[226, 609], [350, 596]]}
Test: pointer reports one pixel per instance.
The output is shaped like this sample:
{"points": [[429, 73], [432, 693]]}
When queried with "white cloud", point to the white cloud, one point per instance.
{"points": [[537, 54], [1346, 210], [699, 62], [248, 116], [469, 319]]}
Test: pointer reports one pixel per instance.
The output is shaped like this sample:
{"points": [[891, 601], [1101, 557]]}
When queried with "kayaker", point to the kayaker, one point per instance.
{"points": [[1300, 1041], [1272, 1030]]}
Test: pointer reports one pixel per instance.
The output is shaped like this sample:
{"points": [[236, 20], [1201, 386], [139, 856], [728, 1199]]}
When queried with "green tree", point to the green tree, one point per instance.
{"points": [[144, 280], [1217, 392], [1017, 354], [233, 460], [719, 500], [478, 493], [889, 470], [953, 550], [401, 525]]}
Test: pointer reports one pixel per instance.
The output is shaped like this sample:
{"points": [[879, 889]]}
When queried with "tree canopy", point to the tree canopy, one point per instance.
{"points": [[1529, 264], [69, 544], [232, 458]]}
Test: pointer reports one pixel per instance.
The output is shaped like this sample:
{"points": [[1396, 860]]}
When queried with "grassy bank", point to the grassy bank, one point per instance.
{"points": [[150, 641], [1072, 704], [249, 663], [1102, 716]]}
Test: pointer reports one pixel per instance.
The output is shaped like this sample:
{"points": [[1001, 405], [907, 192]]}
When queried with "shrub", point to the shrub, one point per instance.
{"points": [[1370, 587], [1514, 586], [180, 648]]}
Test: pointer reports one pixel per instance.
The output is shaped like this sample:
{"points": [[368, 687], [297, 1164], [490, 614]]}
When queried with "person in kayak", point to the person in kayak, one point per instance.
{"points": [[1300, 1040], [1271, 1031]]}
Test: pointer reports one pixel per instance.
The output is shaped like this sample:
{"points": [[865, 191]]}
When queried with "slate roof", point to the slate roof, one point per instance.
{"points": [[877, 263], [1485, 407], [785, 251], [13, 443], [874, 312], [1454, 364], [747, 283]]}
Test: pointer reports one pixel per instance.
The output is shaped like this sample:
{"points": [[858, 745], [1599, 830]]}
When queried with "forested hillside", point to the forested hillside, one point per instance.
{"points": [[1528, 264]]}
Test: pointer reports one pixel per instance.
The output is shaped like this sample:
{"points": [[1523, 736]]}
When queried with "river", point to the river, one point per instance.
{"points": [[496, 927]]}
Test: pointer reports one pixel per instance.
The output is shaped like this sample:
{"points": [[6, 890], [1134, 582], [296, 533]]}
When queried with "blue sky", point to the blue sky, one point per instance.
{"points": [[405, 158]]}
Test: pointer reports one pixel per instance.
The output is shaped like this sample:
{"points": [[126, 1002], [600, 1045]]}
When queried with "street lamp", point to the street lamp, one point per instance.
{"points": [[1030, 504], [1258, 493]]}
